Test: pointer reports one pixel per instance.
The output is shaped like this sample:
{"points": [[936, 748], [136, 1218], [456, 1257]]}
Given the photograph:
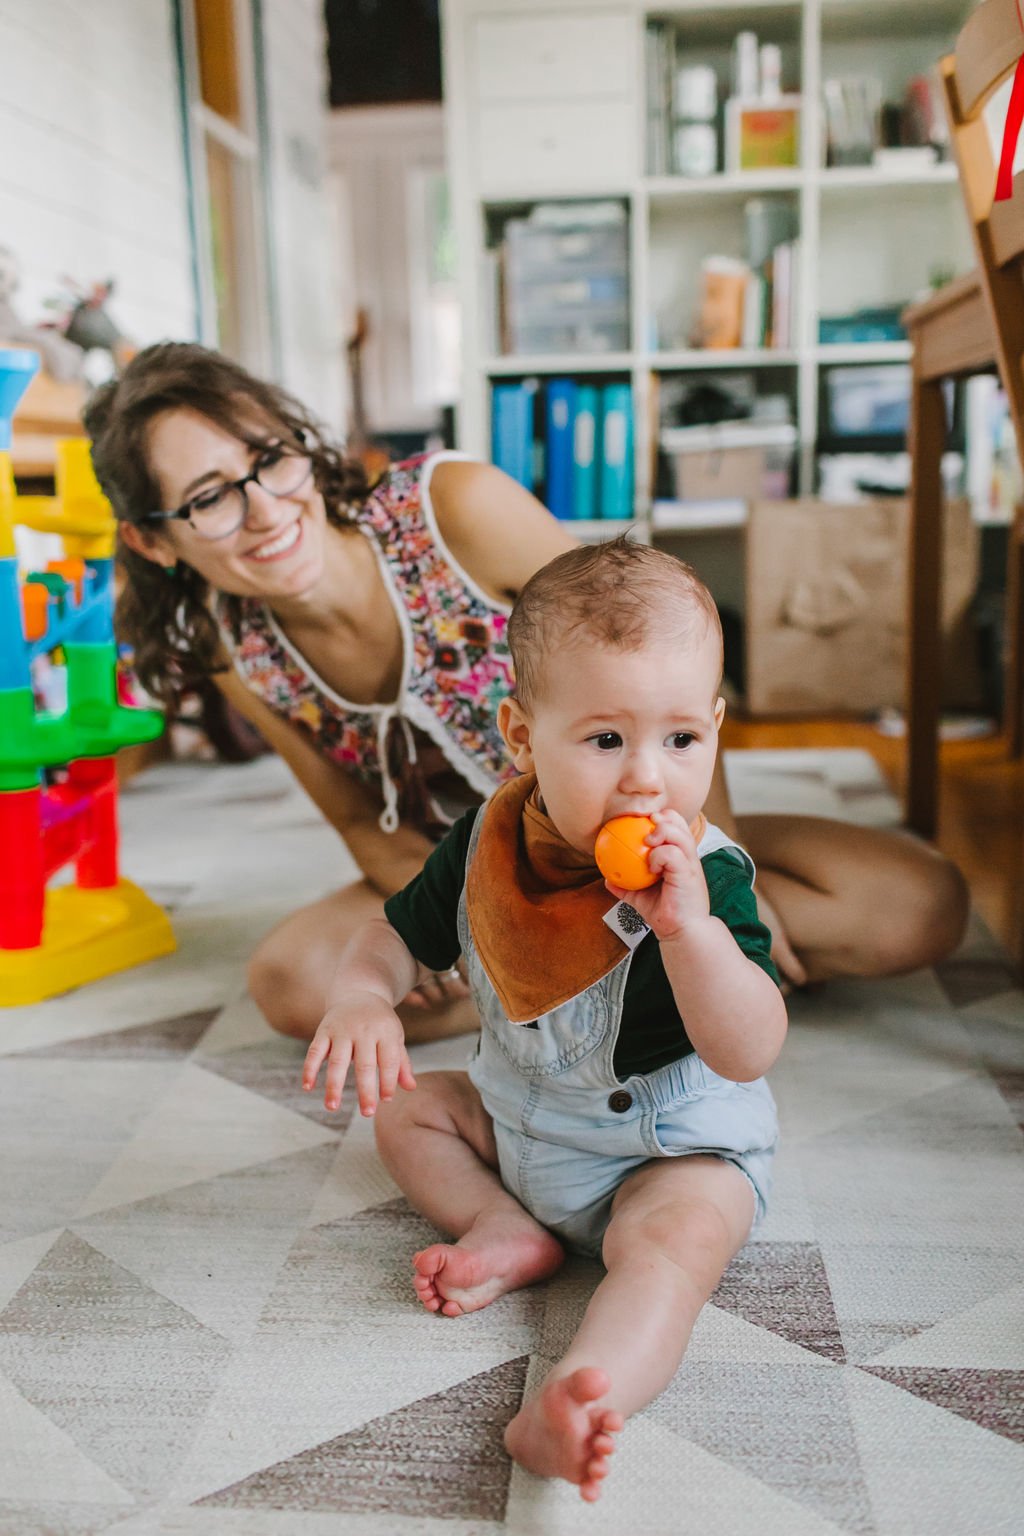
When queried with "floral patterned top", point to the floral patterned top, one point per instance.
{"points": [[456, 671]]}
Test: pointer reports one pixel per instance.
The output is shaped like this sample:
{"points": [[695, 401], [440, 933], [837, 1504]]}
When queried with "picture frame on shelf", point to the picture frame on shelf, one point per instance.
{"points": [[762, 135]]}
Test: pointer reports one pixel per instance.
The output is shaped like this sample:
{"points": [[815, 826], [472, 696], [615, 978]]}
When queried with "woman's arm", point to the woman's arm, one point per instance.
{"points": [[388, 860], [718, 809], [498, 532]]}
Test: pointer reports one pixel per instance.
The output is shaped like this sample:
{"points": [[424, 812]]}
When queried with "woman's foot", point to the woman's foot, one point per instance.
{"points": [[492, 1258], [564, 1432]]}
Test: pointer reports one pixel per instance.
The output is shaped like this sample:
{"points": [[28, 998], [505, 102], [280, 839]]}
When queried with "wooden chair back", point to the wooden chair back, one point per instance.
{"points": [[987, 51]]}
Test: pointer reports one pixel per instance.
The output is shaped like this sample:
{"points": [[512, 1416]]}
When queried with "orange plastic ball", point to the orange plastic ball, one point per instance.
{"points": [[621, 852]]}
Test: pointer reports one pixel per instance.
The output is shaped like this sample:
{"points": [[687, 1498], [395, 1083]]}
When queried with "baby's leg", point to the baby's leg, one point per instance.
{"points": [[675, 1225], [438, 1145]]}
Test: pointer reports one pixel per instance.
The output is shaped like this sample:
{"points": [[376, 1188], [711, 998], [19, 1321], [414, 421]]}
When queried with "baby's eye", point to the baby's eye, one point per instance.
{"points": [[607, 741], [680, 740]]}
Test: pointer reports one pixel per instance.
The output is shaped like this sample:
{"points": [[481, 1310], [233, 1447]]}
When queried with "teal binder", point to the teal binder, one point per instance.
{"points": [[616, 476], [512, 443], [584, 453]]}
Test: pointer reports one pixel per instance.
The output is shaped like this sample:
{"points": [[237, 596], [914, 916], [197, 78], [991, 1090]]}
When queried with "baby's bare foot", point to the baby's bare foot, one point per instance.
{"points": [[453, 1278], [563, 1433]]}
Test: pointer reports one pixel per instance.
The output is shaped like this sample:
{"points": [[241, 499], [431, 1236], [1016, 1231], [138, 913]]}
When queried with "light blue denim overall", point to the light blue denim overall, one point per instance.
{"points": [[568, 1131]]}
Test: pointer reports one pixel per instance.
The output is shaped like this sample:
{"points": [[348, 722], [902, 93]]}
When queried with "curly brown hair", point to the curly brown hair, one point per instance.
{"points": [[166, 619]]}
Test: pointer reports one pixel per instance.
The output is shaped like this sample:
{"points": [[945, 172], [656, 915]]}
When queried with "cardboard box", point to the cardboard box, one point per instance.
{"points": [[826, 606], [735, 459]]}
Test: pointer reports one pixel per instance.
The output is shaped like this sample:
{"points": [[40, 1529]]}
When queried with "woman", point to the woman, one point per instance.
{"points": [[362, 631]]}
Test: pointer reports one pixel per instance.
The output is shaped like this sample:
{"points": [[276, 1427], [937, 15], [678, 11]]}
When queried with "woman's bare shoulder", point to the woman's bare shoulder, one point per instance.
{"points": [[499, 533]]}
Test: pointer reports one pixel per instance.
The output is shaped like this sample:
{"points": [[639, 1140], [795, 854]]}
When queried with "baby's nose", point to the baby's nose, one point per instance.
{"points": [[641, 774]]}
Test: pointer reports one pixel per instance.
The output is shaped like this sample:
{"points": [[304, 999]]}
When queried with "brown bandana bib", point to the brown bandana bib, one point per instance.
{"points": [[535, 907]]}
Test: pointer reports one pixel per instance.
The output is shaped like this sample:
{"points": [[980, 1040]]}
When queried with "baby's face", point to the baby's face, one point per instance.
{"points": [[623, 733]]}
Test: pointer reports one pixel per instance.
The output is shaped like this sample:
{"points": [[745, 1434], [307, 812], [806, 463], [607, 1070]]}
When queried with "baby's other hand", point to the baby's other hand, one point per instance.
{"points": [[365, 1033]]}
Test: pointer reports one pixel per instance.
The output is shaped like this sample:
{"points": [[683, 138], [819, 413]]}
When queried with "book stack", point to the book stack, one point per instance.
{"points": [[770, 301], [570, 441], [659, 67]]}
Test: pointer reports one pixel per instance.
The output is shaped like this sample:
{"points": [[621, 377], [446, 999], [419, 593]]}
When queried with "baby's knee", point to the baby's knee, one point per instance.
{"points": [[689, 1236], [392, 1121]]}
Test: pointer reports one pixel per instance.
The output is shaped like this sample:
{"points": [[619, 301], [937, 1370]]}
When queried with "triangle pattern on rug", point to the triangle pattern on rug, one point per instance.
{"points": [[784, 1287], [215, 1247], [157, 1041], [788, 1426], [41, 1461], [442, 1456], [993, 1399], [47, 1517], [273, 1069], [123, 1371], [202, 1126], [968, 979]]}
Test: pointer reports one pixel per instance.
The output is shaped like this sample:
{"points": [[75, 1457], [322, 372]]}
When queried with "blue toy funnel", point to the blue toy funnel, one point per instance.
{"points": [[16, 371]]}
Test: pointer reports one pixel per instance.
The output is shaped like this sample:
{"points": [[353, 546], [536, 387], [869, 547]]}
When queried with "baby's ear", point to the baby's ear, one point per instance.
{"points": [[719, 713], [516, 729]]}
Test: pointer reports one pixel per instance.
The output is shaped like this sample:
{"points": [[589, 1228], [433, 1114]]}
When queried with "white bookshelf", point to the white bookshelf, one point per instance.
{"points": [[546, 102]]}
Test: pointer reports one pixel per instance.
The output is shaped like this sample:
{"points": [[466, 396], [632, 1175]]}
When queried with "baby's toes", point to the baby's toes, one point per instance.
{"points": [[611, 1421], [602, 1445]]}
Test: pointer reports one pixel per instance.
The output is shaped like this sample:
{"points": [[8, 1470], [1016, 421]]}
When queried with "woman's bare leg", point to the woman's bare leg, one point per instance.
{"points": [[855, 901], [291, 968]]}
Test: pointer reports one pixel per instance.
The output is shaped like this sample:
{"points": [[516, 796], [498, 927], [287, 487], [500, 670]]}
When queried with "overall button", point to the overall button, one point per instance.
{"points": [[620, 1101]]}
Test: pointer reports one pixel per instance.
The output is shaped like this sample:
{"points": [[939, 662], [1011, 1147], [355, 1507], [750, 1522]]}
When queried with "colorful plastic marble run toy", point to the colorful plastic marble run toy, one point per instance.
{"points": [[51, 940]]}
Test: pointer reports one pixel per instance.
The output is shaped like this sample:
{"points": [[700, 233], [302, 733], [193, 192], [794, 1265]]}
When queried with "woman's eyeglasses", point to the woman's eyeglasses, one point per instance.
{"points": [[220, 511]]}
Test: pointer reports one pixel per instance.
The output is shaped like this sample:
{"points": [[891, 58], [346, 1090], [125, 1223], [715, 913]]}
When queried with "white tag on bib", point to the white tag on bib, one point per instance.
{"points": [[627, 924]]}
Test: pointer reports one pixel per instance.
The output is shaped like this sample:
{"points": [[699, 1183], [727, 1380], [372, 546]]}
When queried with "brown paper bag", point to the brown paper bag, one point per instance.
{"points": [[826, 606]]}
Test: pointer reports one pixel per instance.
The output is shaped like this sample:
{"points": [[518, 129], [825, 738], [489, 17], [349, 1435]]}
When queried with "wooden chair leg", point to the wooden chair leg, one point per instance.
{"points": [[927, 441], [1013, 683]]}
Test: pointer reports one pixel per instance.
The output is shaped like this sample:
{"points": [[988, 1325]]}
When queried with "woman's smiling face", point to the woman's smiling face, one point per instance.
{"points": [[278, 550]]}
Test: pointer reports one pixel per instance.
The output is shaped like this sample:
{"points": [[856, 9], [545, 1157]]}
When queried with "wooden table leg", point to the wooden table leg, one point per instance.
{"points": [[927, 442]]}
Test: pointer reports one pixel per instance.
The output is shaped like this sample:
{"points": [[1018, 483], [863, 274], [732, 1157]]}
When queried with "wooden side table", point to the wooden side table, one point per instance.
{"points": [[952, 338]]}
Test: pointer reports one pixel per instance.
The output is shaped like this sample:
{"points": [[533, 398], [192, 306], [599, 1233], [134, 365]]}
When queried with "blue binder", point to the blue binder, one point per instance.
{"points": [[560, 412], [512, 431], [584, 452], [616, 494]]}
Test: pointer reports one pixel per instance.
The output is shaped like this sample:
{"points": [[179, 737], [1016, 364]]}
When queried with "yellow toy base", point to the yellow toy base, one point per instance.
{"points": [[86, 935]]}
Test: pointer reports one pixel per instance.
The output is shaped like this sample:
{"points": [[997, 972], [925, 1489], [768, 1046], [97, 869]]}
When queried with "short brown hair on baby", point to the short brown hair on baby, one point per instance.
{"points": [[619, 593]]}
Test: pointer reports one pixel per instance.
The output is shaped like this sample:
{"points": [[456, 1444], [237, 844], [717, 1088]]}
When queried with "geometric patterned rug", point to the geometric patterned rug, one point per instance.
{"points": [[207, 1323]]}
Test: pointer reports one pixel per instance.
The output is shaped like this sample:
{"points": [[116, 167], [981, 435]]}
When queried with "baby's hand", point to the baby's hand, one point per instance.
{"points": [[367, 1034], [681, 894]]}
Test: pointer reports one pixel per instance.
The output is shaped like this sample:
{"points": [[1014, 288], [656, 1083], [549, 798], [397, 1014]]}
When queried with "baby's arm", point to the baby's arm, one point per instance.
{"points": [[361, 1027], [735, 1014]]}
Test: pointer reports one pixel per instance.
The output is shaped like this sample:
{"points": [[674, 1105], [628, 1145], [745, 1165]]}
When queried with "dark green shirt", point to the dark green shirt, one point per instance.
{"points": [[425, 915]]}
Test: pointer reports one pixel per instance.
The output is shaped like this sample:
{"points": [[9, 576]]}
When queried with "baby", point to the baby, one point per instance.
{"points": [[616, 1104]]}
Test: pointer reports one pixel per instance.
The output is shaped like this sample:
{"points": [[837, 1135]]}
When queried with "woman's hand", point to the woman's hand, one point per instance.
{"points": [[680, 897], [787, 961], [439, 989], [363, 1032]]}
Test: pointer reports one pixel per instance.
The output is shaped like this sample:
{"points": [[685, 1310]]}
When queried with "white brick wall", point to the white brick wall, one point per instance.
{"points": [[91, 177], [304, 244], [92, 180]]}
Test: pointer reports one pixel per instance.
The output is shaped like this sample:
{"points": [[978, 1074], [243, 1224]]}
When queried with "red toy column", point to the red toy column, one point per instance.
{"points": [[96, 866], [22, 880]]}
